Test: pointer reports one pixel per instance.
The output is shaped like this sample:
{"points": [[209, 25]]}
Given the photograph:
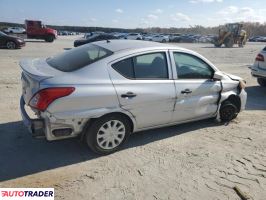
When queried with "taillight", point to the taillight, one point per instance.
{"points": [[260, 57], [43, 98]]}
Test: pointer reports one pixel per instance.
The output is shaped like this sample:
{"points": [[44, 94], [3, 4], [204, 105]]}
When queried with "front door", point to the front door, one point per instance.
{"points": [[197, 92], [144, 88]]}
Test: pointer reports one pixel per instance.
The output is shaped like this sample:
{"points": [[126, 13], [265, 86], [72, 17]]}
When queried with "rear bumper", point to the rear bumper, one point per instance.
{"points": [[258, 72], [35, 126]]}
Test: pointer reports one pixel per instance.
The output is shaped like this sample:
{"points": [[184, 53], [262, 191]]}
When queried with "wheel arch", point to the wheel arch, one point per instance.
{"points": [[128, 116], [235, 99]]}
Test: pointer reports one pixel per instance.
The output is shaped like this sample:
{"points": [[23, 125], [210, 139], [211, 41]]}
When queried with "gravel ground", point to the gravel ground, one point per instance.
{"points": [[200, 160]]}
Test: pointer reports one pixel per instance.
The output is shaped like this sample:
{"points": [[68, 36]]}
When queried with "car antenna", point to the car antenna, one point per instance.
{"points": [[108, 41]]}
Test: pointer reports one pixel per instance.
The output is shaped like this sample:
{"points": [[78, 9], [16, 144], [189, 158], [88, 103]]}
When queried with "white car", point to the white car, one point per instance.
{"points": [[133, 36], [15, 30], [160, 38], [258, 69]]}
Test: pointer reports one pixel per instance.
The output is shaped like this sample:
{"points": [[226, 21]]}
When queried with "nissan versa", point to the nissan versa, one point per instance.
{"points": [[106, 90]]}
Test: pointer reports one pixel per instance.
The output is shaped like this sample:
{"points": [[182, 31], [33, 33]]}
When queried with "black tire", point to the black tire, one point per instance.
{"points": [[94, 128], [229, 42], [11, 45], [262, 82], [217, 45], [228, 111], [163, 41], [49, 38]]}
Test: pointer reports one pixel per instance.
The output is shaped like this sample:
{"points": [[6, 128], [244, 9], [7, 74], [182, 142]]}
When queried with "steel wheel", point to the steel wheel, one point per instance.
{"points": [[228, 111], [11, 45], [111, 134]]}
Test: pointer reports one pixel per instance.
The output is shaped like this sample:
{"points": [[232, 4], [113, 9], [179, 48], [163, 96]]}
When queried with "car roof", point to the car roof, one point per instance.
{"points": [[121, 45]]}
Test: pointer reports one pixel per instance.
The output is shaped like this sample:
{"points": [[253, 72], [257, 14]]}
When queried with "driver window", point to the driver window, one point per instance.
{"points": [[191, 67]]}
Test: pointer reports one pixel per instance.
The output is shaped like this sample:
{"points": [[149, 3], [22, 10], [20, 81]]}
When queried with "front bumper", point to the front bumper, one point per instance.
{"points": [[35, 126], [21, 44]]}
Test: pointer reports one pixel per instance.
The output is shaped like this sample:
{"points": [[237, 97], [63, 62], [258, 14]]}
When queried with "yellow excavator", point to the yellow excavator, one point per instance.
{"points": [[232, 34]]}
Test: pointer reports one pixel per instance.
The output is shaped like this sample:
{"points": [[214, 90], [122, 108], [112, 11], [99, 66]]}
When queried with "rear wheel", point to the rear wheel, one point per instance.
{"points": [[228, 111], [163, 41], [108, 133], [262, 82], [11, 45]]}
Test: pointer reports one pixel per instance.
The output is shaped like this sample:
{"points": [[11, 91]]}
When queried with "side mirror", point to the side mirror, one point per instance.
{"points": [[218, 76]]}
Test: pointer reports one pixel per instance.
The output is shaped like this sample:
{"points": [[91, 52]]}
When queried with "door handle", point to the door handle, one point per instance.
{"points": [[186, 91], [128, 95]]}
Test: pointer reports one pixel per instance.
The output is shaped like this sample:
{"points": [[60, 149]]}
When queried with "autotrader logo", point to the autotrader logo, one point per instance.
{"points": [[26, 193]]}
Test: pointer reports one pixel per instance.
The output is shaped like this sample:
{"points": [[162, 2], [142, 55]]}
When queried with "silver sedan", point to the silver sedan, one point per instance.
{"points": [[106, 90]]}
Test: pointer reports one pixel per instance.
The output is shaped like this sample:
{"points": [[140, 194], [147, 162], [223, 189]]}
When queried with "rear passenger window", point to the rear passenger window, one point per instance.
{"points": [[125, 68], [147, 66]]}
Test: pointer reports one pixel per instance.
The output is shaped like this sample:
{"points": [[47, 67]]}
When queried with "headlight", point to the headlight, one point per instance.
{"points": [[20, 40], [242, 84]]}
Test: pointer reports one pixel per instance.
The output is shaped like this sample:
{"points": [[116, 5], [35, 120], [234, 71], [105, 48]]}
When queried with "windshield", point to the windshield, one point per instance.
{"points": [[2, 34], [78, 58]]}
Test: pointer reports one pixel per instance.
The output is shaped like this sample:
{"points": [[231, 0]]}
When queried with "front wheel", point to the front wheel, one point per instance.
{"points": [[108, 133], [262, 82], [11, 45], [228, 111]]}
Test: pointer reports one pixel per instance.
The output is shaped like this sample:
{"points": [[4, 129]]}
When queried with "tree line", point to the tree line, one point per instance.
{"points": [[252, 28]]}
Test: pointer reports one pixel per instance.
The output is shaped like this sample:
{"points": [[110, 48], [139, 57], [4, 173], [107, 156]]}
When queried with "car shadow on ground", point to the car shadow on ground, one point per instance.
{"points": [[22, 155], [222, 47], [256, 99], [35, 41]]}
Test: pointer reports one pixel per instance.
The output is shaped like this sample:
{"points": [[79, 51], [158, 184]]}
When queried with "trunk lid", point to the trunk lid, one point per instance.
{"points": [[34, 71]]}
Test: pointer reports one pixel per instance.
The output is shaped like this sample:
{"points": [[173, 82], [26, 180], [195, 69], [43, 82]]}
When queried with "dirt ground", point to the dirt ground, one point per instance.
{"points": [[201, 160]]}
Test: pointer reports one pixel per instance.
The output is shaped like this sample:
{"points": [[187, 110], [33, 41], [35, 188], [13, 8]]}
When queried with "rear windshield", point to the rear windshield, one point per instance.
{"points": [[264, 49], [77, 58]]}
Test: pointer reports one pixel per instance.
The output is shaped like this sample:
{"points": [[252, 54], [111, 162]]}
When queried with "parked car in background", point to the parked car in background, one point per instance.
{"points": [[148, 37], [257, 39], [253, 39], [261, 39], [88, 35], [258, 69], [94, 38], [11, 42], [185, 39], [104, 91], [18, 30], [173, 36], [133, 36], [160, 38]]}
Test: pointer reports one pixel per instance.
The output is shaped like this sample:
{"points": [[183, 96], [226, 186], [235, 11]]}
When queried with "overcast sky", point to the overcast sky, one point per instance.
{"points": [[133, 13]]}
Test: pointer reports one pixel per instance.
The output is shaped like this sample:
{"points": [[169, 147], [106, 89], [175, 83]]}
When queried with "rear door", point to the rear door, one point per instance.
{"points": [[197, 92], [144, 87]]}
